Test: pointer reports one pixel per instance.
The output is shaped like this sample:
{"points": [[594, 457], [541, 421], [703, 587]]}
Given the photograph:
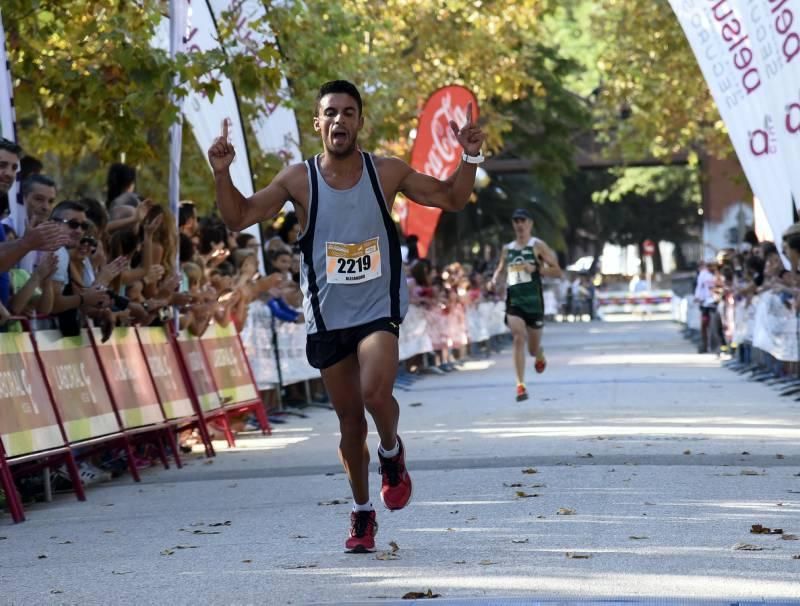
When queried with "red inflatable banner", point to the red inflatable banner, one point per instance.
{"points": [[436, 152]]}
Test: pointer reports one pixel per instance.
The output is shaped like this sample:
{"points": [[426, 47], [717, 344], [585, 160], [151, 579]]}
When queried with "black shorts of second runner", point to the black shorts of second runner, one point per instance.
{"points": [[324, 349], [531, 320]]}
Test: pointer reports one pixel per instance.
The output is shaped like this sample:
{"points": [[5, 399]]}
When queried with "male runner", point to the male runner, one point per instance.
{"points": [[354, 290], [525, 261]]}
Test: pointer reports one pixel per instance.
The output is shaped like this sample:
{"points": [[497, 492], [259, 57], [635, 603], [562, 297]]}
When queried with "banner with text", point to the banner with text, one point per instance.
{"points": [[27, 420], [166, 372], [225, 357], [437, 153], [730, 56], [79, 391], [199, 373]]}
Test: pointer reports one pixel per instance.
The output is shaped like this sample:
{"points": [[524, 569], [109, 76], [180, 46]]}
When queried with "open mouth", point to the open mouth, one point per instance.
{"points": [[339, 136]]}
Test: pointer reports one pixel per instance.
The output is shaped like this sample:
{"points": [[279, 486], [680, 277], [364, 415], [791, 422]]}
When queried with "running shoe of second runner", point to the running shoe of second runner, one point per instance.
{"points": [[540, 364], [396, 487], [363, 528], [522, 393]]}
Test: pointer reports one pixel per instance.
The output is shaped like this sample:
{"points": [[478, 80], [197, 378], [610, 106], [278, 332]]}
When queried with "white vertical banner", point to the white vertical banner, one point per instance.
{"points": [[736, 76], [206, 115], [177, 30], [775, 29], [8, 122], [275, 127]]}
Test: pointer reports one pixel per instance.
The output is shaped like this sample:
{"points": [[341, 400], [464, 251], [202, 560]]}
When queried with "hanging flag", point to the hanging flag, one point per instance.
{"points": [[275, 127], [204, 114], [730, 56], [8, 123], [437, 153]]}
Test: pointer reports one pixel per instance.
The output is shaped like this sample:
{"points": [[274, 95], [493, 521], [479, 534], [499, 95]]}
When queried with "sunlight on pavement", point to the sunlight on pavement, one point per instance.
{"points": [[679, 359]]}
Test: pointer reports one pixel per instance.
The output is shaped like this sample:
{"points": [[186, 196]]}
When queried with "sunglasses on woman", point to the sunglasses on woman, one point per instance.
{"points": [[74, 224]]}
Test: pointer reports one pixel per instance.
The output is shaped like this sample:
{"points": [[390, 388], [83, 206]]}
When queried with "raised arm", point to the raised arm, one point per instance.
{"points": [[236, 210], [453, 193]]}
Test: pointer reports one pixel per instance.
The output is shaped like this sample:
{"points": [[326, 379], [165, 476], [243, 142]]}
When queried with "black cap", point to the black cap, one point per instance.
{"points": [[521, 213]]}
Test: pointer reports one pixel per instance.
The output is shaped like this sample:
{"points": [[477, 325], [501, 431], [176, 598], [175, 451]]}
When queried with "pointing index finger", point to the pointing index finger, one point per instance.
{"points": [[224, 134], [469, 114]]}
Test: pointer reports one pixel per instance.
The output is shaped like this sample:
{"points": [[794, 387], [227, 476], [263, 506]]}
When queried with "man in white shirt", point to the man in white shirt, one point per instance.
{"points": [[39, 195]]}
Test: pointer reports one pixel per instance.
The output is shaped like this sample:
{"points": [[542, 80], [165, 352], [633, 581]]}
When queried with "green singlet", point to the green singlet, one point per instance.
{"points": [[524, 295]]}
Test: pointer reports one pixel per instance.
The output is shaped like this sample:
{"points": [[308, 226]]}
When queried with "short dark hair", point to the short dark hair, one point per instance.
{"points": [[340, 86], [289, 221], [10, 146], [243, 238], [29, 166], [793, 242], [120, 177], [95, 212], [186, 211], [59, 208], [36, 179]]}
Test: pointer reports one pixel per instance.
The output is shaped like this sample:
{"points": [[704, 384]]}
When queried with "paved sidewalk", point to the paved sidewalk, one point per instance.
{"points": [[642, 490]]}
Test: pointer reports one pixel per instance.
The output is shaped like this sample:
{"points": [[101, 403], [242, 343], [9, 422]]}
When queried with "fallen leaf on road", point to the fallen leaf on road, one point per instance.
{"points": [[206, 532], [588, 455], [418, 595], [122, 572], [578, 556], [168, 552], [486, 563], [513, 485], [108, 532], [185, 546], [299, 566], [234, 485], [538, 485], [744, 452], [524, 495], [790, 537], [333, 502], [460, 562], [635, 538], [55, 591], [42, 557], [3, 538], [451, 530], [540, 517], [247, 561], [519, 541], [414, 404], [299, 536], [387, 555], [796, 557], [529, 470], [752, 472], [65, 542], [395, 547], [454, 511], [565, 511], [759, 529], [648, 503], [779, 456], [687, 452], [747, 547], [225, 523]]}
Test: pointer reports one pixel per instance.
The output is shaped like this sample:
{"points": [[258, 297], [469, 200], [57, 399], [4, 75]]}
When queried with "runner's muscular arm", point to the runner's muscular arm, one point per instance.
{"points": [[237, 211], [551, 267], [501, 267]]}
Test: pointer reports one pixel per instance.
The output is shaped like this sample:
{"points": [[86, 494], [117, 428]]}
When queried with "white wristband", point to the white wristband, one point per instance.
{"points": [[472, 159]]}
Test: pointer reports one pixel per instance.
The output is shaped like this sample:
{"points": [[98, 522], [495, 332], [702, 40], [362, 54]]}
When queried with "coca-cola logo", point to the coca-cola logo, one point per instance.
{"points": [[443, 155]]}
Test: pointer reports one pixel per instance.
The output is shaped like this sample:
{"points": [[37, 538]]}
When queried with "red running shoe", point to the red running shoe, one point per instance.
{"points": [[522, 393], [540, 365], [396, 488], [363, 529]]}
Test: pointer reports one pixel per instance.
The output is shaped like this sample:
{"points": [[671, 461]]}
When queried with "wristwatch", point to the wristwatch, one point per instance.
{"points": [[472, 159]]}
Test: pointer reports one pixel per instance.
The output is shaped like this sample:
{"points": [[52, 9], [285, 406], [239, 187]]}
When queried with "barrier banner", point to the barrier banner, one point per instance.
{"points": [[74, 376], [414, 335], [292, 348], [257, 339], [199, 373], [128, 379], [743, 320], [775, 330], [228, 365], [166, 372], [27, 420], [494, 314], [477, 329]]}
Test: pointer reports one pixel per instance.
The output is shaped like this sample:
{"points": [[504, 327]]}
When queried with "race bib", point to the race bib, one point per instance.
{"points": [[353, 263], [517, 274]]}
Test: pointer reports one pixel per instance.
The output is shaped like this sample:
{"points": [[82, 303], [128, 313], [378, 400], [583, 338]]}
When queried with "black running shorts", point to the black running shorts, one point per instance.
{"points": [[324, 349], [531, 320]]}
